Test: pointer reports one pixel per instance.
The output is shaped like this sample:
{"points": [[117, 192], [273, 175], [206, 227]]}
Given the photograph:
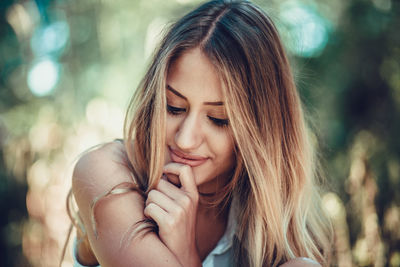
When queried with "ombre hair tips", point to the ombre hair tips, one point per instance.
{"points": [[280, 217]]}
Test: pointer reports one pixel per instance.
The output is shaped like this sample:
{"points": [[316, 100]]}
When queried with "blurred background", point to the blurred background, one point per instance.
{"points": [[68, 68]]}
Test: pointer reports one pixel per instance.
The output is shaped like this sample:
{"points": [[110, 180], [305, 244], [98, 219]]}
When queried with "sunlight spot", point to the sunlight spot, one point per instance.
{"points": [[43, 77], [50, 39], [307, 30]]}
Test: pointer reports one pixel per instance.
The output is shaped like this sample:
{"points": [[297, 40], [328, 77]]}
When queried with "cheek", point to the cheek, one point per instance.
{"points": [[224, 147], [171, 126]]}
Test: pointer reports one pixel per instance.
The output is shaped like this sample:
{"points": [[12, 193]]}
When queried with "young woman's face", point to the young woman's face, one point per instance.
{"points": [[198, 131]]}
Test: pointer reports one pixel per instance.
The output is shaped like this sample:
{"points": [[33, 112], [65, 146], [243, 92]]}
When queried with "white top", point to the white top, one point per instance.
{"points": [[220, 256]]}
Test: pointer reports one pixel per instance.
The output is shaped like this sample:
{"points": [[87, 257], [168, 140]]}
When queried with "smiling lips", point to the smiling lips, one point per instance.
{"points": [[191, 160]]}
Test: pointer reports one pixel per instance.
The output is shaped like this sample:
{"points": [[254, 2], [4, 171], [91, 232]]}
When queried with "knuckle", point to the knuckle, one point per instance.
{"points": [[146, 210], [150, 207], [186, 168], [149, 198], [195, 197], [186, 201], [170, 224], [150, 195], [160, 183], [180, 212]]}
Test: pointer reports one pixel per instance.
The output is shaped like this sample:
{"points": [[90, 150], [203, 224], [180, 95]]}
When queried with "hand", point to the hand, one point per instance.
{"points": [[174, 210]]}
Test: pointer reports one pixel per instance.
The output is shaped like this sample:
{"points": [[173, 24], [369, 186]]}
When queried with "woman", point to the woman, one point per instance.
{"points": [[216, 166]]}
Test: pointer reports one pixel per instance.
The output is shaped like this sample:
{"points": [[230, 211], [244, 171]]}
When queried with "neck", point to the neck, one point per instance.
{"points": [[211, 224], [208, 206], [213, 189], [210, 203]]}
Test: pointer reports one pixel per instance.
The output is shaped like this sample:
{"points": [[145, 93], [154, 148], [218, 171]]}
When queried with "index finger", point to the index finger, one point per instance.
{"points": [[185, 174]]}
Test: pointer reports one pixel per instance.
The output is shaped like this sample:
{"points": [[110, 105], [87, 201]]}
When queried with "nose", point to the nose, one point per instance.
{"points": [[189, 134]]}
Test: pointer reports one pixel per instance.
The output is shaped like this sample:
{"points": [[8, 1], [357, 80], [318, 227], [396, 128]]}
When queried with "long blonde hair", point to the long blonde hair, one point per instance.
{"points": [[279, 209]]}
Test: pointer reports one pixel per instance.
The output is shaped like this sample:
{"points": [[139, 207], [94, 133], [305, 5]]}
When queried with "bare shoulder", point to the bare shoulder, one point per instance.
{"points": [[108, 158], [98, 171], [95, 173], [301, 262]]}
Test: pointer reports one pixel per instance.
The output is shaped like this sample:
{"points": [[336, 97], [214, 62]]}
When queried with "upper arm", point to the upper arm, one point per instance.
{"points": [[97, 172], [301, 262]]}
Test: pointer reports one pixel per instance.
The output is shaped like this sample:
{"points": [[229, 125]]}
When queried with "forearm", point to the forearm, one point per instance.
{"points": [[111, 247], [115, 215]]}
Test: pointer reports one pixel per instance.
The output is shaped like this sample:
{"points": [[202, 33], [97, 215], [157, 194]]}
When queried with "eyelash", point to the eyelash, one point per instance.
{"points": [[217, 122]]}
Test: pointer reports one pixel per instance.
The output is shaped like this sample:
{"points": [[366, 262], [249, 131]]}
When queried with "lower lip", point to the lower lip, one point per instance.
{"points": [[190, 162]]}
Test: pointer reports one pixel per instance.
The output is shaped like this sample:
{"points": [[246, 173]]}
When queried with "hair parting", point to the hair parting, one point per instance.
{"points": [[274, 179]]}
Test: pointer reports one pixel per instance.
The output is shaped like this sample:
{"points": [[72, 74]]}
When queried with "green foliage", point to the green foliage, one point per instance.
{"points": [[350, 85]]}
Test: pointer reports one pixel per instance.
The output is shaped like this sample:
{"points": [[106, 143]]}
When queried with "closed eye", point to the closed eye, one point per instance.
{"points": [[175, 110], [219, 122]]}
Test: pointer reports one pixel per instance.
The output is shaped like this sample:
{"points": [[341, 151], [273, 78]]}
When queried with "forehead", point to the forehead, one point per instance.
{"points": [[194, 76]]}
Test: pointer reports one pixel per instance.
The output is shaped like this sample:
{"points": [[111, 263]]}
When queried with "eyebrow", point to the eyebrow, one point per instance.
{"points": [[216, 103]]}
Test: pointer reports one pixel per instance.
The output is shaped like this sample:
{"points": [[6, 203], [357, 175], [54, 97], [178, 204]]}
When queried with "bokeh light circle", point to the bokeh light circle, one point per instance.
{"points": [[43, 77], [308, 31], [51, 39]]}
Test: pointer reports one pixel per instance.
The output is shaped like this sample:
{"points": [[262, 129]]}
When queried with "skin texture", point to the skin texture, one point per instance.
{"points": [[184, 236], [187, 231], [174, 210], [91, 178], [192, 132], [193, 128]]}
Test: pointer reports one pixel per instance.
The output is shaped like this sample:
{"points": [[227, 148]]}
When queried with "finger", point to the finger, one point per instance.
{"points": [[155, 212], [185, 175], [182, 199], [169, 189], [173, 179], [176, 209], [161, 200]]}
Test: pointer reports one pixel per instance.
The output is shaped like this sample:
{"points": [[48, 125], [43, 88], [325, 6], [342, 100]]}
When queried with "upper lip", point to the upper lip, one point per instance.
{"points": [[186, 156]]}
